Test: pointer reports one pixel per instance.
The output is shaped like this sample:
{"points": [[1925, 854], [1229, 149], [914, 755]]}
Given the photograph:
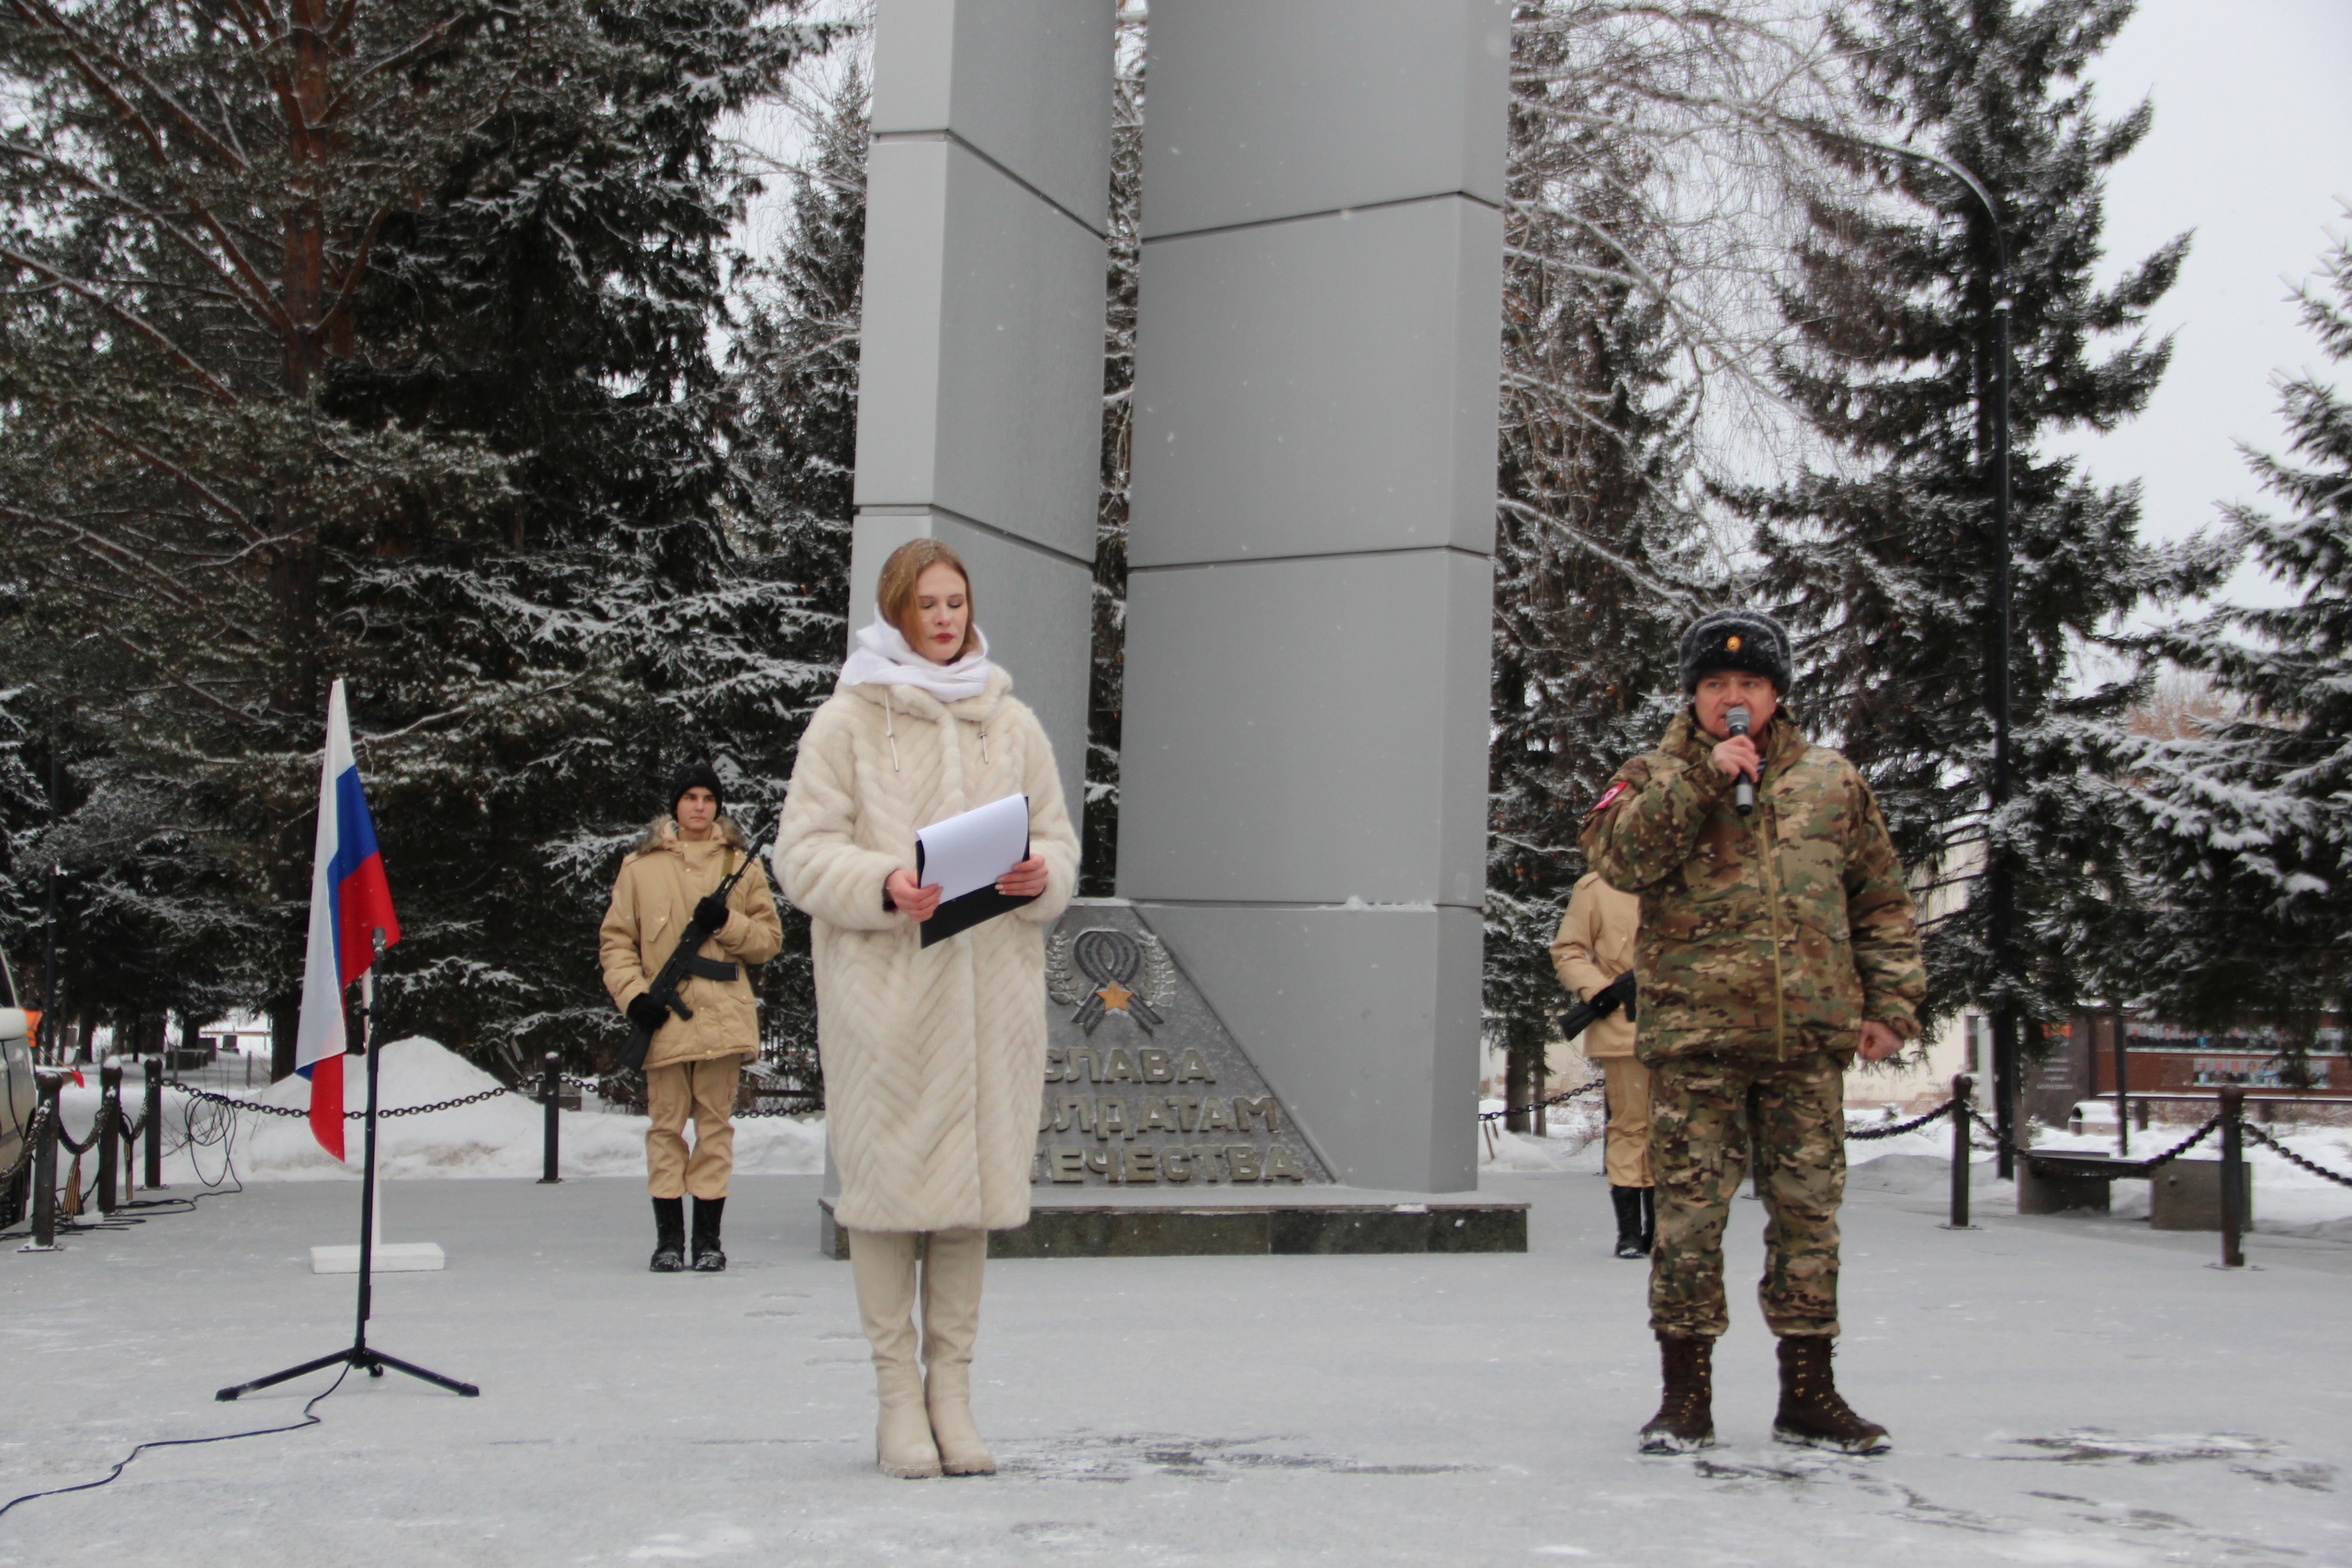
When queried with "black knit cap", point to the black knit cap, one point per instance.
{"points": [[1748, 640], [696, 776]]}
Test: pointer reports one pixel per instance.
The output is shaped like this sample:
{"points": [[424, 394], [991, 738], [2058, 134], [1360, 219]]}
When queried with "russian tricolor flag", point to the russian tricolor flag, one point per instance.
{"points": [[350, 902]]}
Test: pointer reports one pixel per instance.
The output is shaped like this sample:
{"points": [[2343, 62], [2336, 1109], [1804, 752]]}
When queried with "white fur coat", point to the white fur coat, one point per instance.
{"points": [[934, 1057]]}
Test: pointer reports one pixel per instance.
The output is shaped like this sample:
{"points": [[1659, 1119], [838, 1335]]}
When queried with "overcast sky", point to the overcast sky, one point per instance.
{"points": [[2252, 147]]}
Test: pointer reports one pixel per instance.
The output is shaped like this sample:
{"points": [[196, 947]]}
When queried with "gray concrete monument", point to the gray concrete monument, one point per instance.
{"points": [[1303, 819], [980, 358], [1304, 773]]}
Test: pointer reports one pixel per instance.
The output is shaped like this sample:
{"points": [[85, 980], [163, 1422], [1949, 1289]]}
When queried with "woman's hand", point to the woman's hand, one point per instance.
{"points": [[1878, 1041], [918, 903], [1026, 880]]}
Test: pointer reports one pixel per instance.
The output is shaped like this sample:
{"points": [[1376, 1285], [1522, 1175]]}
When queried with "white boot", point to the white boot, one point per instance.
{"points": [[952, 1262], [882, 1263]]}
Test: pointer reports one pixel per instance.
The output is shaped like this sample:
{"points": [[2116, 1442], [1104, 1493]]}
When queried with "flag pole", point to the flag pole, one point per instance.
{"points": [[368, 1173], [371, 916], [359, 1355]]}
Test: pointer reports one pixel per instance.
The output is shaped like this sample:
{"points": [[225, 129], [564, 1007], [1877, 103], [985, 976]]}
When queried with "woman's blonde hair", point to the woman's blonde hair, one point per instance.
{"points": [[895, 593]]}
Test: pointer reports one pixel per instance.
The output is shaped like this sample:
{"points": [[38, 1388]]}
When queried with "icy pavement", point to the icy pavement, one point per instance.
{"points": [[2063, 1391]]}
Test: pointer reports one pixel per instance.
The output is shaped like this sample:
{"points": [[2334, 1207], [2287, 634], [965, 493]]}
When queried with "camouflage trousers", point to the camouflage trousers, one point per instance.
{"points": [[1699, 1134]]}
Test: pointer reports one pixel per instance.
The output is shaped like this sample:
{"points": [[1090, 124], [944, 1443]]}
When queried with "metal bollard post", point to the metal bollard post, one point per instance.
{"points": [[2232, 1177], [1960, 1087], [551, 1091], [110, 1134], [154, 1129], [44, 1239]]}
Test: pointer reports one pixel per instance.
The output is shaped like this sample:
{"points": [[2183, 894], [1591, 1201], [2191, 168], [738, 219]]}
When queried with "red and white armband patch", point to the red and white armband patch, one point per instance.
{"points": [[1609, 796]]}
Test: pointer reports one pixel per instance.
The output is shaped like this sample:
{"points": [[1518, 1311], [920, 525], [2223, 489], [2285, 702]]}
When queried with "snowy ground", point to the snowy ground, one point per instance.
{"points": [[2065, 1391]]}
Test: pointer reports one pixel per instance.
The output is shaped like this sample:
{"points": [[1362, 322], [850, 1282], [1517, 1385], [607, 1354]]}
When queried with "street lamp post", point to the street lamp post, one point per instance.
{"points": [[2000, 890]]}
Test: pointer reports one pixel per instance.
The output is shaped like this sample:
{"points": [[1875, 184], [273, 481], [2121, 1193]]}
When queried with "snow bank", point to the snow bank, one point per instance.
{"points": [[498, 1137], [1571, 1143]]}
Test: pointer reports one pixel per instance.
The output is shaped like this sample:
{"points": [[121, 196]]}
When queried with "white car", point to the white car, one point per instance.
{"points": [[17, 1094]]}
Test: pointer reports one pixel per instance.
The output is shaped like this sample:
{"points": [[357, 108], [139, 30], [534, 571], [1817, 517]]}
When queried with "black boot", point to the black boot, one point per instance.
{"points": [[1811, 1413], [1685, 1421], [1649, 1220], [669, 1236], [1628, 1201], [708, 1260]]}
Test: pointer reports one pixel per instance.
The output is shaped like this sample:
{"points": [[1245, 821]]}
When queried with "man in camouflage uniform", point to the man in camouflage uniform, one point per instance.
{"points": [[1776, 944]]}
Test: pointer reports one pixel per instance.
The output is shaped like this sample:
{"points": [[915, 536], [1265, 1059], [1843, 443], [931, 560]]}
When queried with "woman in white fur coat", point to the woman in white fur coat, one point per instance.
{"points": [[934, 1057]]}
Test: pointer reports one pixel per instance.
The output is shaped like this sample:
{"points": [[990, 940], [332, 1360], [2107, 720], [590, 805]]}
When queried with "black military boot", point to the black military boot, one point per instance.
{"points": [[1649, 1220], [1811, 1413], [1685, 1421], [708, 1260], [1629, 1221], [669, 1236]]}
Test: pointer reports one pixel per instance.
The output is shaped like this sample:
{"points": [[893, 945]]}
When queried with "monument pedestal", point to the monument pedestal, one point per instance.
{"points": [[1157, 1136], [1318, 1220]]}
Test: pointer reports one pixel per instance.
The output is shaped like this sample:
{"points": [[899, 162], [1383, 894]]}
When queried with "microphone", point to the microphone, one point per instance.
{"points": [[1743, 791]]}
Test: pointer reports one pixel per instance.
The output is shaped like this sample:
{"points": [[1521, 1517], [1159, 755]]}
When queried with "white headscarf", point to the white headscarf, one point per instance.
{"points": [[883, 658]]}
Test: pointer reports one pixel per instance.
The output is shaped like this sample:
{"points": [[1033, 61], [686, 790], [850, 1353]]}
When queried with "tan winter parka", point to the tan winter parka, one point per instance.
{"points": [[653, 900], [1596, 945], [934, 1057]]}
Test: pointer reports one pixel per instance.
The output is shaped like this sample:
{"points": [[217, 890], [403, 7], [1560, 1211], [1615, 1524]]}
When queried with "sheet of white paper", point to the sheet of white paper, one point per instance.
{"points": [[967, 853]]}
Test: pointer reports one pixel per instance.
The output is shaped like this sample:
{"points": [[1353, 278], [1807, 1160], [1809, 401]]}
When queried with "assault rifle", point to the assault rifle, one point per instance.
{"points": [[685, 957], [1607, 999]]}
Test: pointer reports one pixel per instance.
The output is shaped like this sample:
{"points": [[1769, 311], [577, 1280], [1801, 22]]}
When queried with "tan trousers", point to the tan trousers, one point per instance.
{"points": [[1628, 1092], [707, 1089]]}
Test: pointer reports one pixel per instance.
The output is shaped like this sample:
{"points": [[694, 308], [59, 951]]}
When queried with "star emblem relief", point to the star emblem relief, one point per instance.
{"points": [[1115, 996]]}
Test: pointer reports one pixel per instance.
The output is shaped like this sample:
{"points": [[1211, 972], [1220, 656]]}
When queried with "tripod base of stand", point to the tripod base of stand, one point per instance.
{"points": [[372, 1362]]}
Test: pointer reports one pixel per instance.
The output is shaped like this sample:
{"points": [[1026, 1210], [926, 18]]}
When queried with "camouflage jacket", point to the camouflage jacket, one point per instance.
{"points": [[1778, 932]]}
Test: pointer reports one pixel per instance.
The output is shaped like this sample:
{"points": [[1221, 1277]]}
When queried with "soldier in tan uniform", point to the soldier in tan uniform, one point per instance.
{"points": [[1776, 944], [1594, 947], [692, 1067]]}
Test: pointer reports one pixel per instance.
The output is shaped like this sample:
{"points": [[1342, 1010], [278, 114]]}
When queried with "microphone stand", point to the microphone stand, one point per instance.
{"points": [[361, 1354]]}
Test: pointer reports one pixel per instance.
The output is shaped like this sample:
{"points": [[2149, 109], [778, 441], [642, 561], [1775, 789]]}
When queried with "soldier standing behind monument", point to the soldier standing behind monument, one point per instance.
{"points": [[692, 1065], [1595, 945], [934, 1057], [1776, 942]]}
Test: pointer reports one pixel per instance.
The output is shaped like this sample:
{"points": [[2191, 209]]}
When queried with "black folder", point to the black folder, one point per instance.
{"points": [[955, 916]]}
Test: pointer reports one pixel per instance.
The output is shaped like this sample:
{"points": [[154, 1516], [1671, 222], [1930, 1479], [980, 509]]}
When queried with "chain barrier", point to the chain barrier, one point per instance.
{"points": [[1560, 1098], [43, 1109], [2127, 1169], [236, 1104], [97, 1130], [2292, 1158], [1895, 1130]]}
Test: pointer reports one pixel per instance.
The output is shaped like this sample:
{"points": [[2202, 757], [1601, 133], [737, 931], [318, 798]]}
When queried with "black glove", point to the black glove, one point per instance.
{"points": [[648, 1014], [711, 913]]}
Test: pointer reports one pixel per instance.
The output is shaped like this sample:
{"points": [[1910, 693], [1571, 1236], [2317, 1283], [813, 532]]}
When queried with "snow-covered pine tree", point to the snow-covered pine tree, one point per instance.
{"points": [[1106, 686], [24, 818], [2247, 867], [1882, 555], [323, 368], [1597, 558], [793, 367]]}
